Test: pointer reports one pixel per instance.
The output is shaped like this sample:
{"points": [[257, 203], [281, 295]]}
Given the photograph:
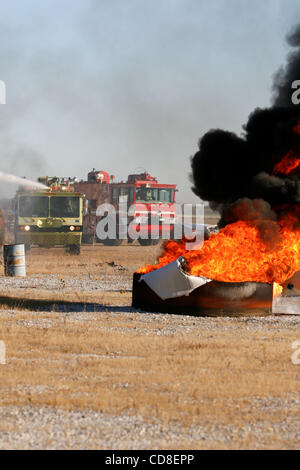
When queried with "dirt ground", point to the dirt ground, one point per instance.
{"points": [[85, 370]]}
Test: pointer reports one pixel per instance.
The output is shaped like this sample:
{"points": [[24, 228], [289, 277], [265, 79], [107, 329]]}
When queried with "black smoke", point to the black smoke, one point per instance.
{"points": [[291, 72], [228, 168]]}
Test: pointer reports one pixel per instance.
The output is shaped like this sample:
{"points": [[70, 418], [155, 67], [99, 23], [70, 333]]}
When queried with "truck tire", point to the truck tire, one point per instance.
{"points": [[108, 242], [73, 249], [88, 238], [147, 242]]}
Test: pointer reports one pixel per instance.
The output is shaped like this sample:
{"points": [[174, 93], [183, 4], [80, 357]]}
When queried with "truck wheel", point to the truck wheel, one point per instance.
{"points": [[88, 239], [73, 249], [147, 242], [116, 242]]}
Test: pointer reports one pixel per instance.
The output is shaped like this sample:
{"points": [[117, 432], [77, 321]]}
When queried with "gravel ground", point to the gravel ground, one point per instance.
{"points": [[275, 418], [49, 428], [54, 282], [179, 325]]}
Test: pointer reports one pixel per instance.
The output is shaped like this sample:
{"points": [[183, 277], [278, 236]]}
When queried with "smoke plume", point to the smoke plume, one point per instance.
{"points": [[287, 75], [239, 176], [228, 167]]}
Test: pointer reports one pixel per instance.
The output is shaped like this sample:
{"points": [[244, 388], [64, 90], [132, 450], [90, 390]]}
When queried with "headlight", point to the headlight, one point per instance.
{"points": [[27, 228], [72, 228]]}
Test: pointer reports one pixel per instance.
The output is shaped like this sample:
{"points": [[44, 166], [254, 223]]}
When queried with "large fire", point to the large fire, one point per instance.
{"points": [[291, 161], [238, 253]]}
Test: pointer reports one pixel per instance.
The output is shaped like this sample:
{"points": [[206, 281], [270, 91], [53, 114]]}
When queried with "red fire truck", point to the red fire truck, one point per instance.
{"points": [[152, 206]]}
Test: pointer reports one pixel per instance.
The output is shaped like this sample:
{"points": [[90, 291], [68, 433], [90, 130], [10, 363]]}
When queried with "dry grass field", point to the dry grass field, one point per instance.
{"points": [[84, 370]]}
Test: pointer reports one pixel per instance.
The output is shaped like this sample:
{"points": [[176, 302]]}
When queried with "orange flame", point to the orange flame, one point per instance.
{"points": [[238, 254], [290, 161], [277, 290], [296, 129]]}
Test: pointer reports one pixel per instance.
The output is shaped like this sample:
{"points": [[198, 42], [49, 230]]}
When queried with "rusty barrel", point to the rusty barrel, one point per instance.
{"points": [[14, 260]]}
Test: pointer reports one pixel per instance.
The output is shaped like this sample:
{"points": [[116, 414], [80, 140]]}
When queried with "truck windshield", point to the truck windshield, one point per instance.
{"points": [[144, 194], [64, 206], [33, 206]]}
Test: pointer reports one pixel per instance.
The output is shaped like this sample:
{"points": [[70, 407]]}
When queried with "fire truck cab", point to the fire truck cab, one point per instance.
{"points": [[150, 204], [49, 217]]}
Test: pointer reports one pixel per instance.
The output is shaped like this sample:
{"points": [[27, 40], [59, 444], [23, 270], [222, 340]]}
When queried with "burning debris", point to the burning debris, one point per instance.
{"points": [[287, 297], [172, 281], [254, 182], [172, 290]]}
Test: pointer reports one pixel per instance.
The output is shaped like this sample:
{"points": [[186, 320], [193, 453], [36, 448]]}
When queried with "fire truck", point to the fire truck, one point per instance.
{"points": [[152, 206], [49, 217]]}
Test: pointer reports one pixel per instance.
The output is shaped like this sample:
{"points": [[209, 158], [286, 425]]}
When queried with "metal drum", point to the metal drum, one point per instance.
{"points": [[14, 260]]}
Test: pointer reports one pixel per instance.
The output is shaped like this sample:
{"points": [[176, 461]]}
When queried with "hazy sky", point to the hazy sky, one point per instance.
{"points": [[126, 84]]}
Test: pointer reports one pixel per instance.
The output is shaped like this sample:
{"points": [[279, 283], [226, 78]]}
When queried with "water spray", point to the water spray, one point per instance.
{"points": [[8, 178]]}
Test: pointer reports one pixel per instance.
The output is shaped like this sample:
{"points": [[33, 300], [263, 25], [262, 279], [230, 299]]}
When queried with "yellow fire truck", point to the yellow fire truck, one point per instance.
{"points": [[49, 217]]}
